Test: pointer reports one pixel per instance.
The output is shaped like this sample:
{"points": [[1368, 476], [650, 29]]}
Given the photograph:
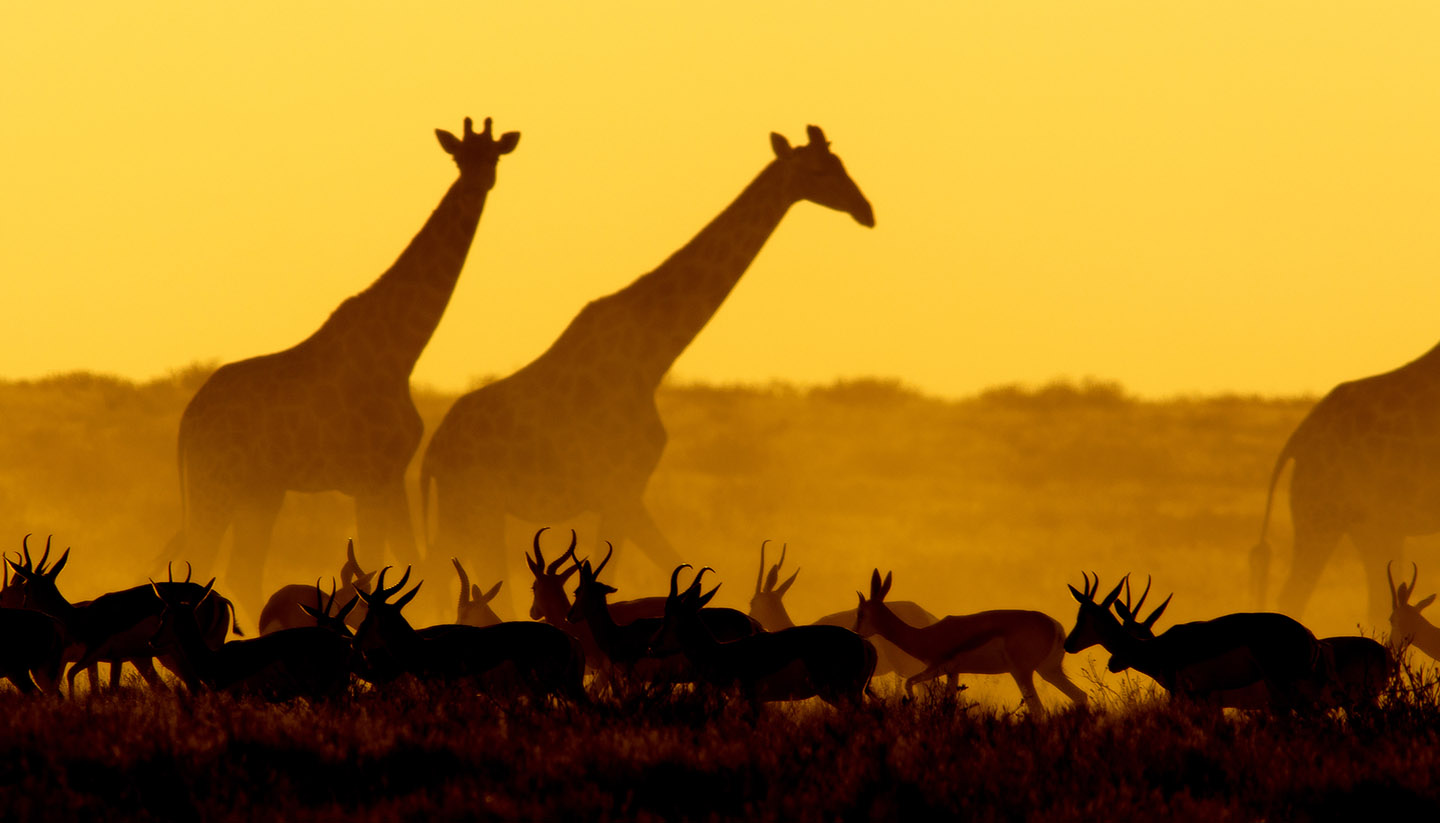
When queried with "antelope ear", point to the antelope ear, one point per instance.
{"points": [[1423, 603], [408, 596], [60, 564], [449, 142], [345, 609], [706, 598], [1079, 598], [874, 583], [784, 587], [1121, 610], [312, 612], [889, 578], [779, 144]]}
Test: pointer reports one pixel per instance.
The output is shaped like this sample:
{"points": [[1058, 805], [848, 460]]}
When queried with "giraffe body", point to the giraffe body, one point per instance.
{"points": [[577, 430], [1367, 465], [333, 412]]}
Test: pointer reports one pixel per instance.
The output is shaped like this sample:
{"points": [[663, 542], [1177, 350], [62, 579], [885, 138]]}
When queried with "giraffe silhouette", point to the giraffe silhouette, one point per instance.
{"points": [[577, 430], [333, 412], [1367, 465]]}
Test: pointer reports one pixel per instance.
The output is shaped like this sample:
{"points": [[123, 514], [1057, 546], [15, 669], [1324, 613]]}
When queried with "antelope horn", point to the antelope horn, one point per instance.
{"points": [[1414, 576], [1110, 598], [170, 571], [539, 558], [675, 577], [464, 582], [1394, 601], [570, 552], [695, 584], [609, 552], [352, 566], [398, 586], [775, 570], [40, 568], [188, 571], [760, 576], [1155, 615]]}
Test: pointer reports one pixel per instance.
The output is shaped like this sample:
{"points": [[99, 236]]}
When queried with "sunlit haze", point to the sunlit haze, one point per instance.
{"points": [[1184, 198]]}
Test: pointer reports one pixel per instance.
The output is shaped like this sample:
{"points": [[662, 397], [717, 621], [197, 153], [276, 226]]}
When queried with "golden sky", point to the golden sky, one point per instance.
{"points": [[1181, 196]]}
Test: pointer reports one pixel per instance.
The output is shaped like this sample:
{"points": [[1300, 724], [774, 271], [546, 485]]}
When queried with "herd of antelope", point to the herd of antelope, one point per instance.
{"points": [[313, 644]]}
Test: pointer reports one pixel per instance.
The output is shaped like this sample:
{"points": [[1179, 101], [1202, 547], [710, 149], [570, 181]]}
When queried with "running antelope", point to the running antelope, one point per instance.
{"points": [[117, 627], [1207, 659], [768, 607], [537, 657], [474, 606], [1017, 642], [1407, 624], [306, 661], [1355, 669], [631, 646], [286, 607], [829, 662]]}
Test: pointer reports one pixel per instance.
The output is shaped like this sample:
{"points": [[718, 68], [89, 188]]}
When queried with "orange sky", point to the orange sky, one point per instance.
{"points": [[1184, 197]]}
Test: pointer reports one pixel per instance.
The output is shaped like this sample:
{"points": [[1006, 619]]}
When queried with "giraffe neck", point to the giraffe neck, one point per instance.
{"points": [[392, 320], [645, 326]]}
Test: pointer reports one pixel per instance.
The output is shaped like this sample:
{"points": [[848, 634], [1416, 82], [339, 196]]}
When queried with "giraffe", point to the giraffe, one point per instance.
{"points": [[1367, 465], [333, 412], [577, 430]]}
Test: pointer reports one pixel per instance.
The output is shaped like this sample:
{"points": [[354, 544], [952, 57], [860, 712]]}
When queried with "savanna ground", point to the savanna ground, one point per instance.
{"points": [[993, 501]]}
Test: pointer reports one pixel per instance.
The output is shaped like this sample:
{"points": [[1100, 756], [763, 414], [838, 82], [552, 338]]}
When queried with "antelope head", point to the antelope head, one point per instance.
{"points": [[1130, 614], [351, 576], [474, 607], [323, 618], [384, 627], [590, 593], [865, 613], [1407, 625], [682, 609], [767, 606], [1094, 620], [550, 601], [36, 582]]}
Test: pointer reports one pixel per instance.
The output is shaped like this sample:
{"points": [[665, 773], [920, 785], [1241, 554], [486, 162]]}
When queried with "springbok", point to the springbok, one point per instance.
{"points": [[115, 627], [630, 646], [768, 607], [829, 662], [538, 657], [474, 606], [1355, 669], [1407, 625], [1017, 642], [306, 661], [1209, 659], [285, 608]]}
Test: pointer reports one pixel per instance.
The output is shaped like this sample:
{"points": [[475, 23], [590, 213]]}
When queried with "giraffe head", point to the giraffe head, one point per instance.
{"points": [[817, 175], [477, 153]]}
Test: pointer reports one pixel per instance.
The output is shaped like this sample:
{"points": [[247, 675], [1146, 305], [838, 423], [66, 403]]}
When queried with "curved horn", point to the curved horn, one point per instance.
{"points": [[464, 582], [170, 571], [1155, 615], [675, 577], [1110, 598], [760, 576], [398, 586], [1414, 576], [26, 545], [537, 566], [189, 570], [695, 584], [608, 553], [40, 567], [1394, 600], [570, 552]]}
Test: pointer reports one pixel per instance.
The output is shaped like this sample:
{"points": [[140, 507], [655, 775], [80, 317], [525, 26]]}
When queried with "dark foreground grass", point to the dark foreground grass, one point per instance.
{"points": [[412, 753]]}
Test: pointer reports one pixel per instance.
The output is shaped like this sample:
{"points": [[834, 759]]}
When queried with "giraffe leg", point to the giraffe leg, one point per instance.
{"points": [[1378, 548], [383, 518], [254, 525], [635, 522], [1313, 546]]}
